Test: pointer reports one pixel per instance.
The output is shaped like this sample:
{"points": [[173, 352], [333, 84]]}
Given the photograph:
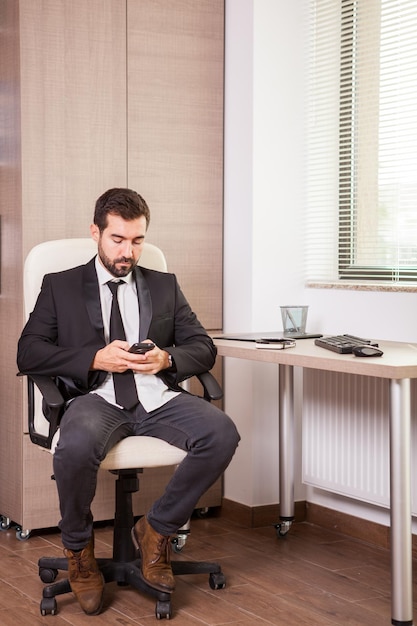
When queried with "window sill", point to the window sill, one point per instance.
{"points": [[348, 286]]}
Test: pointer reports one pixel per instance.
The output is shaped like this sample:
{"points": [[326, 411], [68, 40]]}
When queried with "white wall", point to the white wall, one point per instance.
{"points": [[264, 201], [264, 151], [383, 315]]}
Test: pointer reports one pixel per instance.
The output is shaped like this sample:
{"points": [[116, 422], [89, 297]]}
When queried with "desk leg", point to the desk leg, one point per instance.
{"points": [[286, 448], [400, 477]]}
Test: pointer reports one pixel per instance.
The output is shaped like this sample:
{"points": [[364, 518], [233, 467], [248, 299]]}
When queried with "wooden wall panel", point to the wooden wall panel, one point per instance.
{"points": [[11, 257], [73, 77], [63, 141], [71, 127], [175, 138]]}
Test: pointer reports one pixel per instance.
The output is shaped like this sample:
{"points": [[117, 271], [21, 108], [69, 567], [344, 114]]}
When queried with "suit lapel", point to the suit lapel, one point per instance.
{"points": [[92, 296], [145, 304]]}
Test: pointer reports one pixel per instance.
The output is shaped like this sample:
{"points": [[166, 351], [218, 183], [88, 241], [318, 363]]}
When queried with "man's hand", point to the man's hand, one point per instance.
{"points": [[115, 358]]}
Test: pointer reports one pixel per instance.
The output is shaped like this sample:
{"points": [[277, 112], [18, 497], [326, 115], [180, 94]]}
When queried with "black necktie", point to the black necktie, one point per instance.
{"points": [[124, 384]]}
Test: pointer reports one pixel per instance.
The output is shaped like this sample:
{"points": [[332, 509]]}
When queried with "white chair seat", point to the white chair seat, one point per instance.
{"points": [[141, 452], [137, 452]]}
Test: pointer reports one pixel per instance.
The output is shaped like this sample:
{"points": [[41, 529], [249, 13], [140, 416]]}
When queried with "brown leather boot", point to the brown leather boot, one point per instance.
{"points": [[86, 580], [155, 553]]}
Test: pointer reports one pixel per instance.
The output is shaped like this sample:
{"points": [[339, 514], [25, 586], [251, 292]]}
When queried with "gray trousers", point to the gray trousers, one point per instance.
{"points": [[91, 426]]}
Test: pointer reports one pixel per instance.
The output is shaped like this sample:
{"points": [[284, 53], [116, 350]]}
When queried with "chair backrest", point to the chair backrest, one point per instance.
{"points": [[62, 254]]}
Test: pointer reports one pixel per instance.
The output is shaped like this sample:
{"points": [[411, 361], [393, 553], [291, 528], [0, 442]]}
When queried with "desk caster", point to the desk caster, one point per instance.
{"points": [[283, 528]]}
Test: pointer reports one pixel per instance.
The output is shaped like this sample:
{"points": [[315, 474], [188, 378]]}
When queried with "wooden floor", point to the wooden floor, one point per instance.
{"points": [[312, 576]]}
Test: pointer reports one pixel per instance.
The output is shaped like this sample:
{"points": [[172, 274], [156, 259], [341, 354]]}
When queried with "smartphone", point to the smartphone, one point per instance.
{"points": [[141, 348], [275, 344]]}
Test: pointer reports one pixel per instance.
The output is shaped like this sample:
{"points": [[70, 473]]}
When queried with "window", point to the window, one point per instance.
{"points": [[362, 141]]}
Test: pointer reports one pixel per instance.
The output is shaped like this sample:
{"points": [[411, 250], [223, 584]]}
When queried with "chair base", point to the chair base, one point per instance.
{"points": [[124, 574], [123, 568]]}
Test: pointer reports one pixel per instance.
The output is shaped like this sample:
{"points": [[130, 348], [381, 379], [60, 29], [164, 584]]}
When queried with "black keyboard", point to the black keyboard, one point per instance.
{"points": [[343, 344]]}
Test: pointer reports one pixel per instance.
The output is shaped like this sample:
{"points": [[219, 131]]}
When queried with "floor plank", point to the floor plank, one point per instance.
{"points": [[310, 576]]}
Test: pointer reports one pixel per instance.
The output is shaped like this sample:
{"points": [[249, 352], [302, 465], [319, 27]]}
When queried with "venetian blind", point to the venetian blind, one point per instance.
{"points": [[362, 141]]}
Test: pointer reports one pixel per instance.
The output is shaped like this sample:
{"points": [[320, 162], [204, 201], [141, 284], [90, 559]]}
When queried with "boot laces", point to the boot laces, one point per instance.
{"points": [[162, 549], [82, 564]]}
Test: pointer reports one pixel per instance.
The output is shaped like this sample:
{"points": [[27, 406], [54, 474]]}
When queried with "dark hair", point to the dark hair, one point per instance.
{"points": [[118, 201]]}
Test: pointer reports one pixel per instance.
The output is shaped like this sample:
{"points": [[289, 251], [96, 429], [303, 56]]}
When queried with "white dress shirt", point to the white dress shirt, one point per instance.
{"points": [[152, 391]]}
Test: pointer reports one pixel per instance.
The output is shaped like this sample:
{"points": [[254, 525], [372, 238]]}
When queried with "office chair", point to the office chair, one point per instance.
{"points": [[126, 459]]}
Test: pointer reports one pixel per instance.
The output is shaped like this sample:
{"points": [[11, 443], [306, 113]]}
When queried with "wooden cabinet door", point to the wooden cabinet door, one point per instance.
{"points": [[73, 107], [99, 94], [175, 138]]}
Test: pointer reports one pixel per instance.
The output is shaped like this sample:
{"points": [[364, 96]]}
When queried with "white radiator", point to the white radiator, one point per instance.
{"points": [[346, 435]]}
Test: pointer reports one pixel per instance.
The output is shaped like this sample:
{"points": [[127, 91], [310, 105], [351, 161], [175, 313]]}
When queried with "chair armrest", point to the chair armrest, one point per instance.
{"points": [[50, 392], [52, 400], [212, 389]]}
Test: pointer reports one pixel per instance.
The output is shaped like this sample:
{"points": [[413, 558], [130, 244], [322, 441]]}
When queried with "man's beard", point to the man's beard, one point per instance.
{"points": [[111, 265]]}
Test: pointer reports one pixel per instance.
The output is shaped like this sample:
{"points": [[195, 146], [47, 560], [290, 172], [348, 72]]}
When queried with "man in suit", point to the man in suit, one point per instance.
{"points": [[113, 393]]}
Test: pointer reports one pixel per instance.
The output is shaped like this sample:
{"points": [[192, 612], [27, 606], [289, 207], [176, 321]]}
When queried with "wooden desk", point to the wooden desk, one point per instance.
{"points": [[399, 365]]}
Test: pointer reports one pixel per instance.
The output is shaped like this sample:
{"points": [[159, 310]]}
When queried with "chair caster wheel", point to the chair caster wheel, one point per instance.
{"points": [[48, 606], [163, 610], [217, 581], [47, 575]]}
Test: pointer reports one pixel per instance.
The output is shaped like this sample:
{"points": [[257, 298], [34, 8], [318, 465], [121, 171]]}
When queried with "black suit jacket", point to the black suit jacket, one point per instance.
{"points": [[65, 329]]}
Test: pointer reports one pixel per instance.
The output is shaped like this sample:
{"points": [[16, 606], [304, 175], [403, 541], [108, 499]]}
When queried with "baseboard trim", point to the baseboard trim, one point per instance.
{"points": [[348, 525], [358, 528], [256, 516]]}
